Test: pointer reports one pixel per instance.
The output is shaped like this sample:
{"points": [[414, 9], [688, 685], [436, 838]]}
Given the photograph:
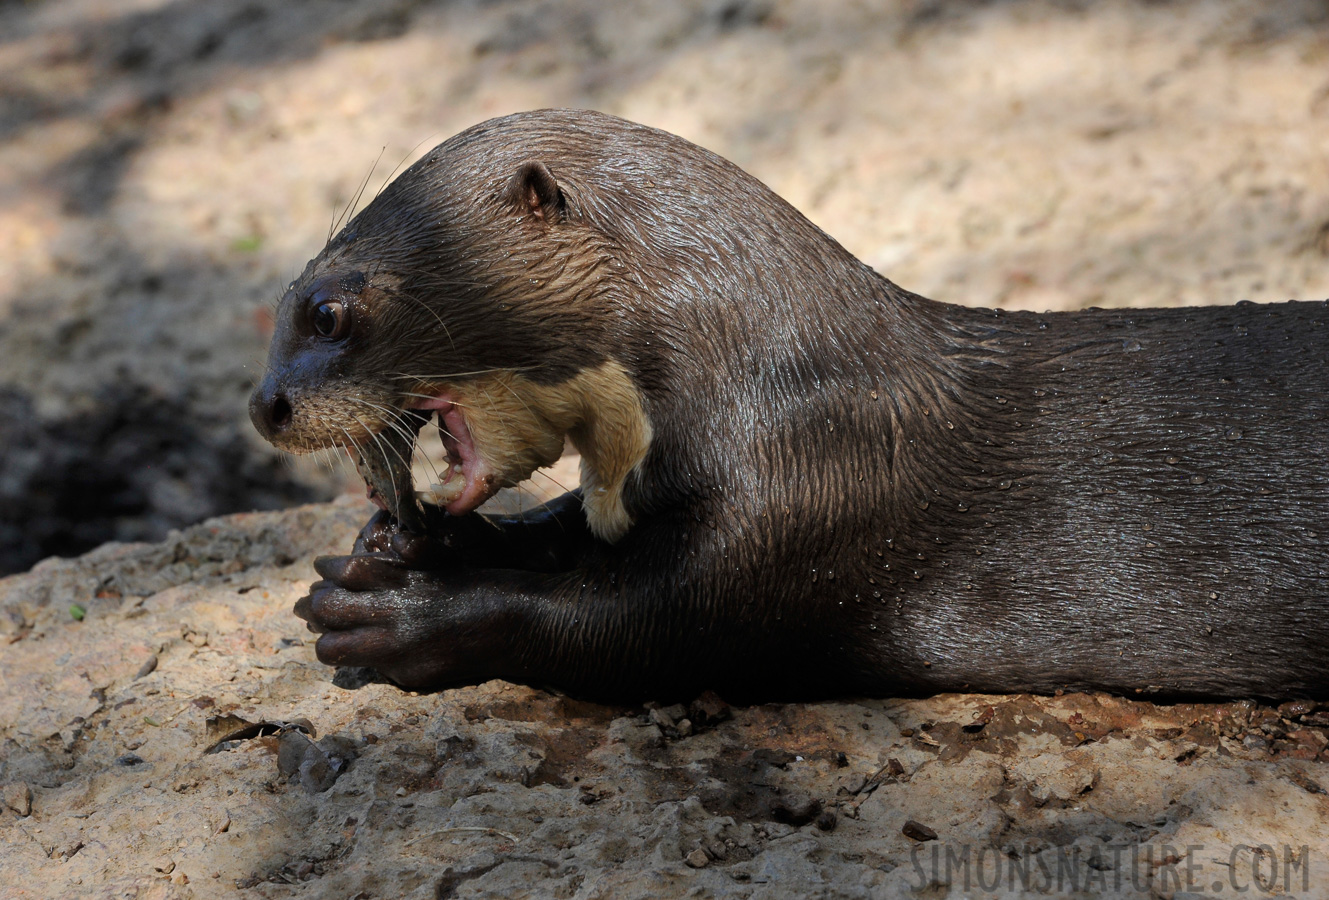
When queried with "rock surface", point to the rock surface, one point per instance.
{"points": [[238, 763]]}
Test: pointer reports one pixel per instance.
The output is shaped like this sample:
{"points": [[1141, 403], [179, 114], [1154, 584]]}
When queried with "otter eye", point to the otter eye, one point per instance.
{"points": [[330, 319]]}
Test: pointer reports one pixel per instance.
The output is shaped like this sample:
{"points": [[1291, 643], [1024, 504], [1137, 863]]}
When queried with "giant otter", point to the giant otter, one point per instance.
{"points": [[799, 479]]}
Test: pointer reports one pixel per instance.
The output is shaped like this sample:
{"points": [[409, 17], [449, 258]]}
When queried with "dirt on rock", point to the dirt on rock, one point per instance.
{"points": [[167, 166]]}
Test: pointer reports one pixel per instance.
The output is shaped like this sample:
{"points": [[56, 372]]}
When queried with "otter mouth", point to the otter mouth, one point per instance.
{"points": [[468, 481]]}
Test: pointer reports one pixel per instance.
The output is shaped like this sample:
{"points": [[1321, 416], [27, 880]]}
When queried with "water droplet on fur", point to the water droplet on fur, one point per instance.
{"points": [[1234, 434], [1172, 460], [1198, 479], [923, 504]]}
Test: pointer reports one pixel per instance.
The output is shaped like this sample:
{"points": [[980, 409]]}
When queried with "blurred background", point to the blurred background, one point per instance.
{"points": [[167, 166]]}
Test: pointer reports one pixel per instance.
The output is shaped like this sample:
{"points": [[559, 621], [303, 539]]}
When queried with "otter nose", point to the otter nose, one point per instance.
{"points": [[269, 410]]}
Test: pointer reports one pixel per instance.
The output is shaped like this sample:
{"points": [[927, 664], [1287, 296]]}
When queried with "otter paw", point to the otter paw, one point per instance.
{"points": [[443, 544], [373, 610], [376, 536]]}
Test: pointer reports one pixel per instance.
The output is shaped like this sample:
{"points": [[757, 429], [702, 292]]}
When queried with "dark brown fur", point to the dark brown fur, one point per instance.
{"points": [[848, 488]]}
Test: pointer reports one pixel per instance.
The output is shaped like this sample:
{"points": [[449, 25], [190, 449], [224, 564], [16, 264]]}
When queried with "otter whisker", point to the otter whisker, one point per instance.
{"points": [[396, 420], [452, 375], [355, 201], [494, 413], [515, 395], [433, 312], [383, 447], [397, 168], [383, 444], [558, 484]]}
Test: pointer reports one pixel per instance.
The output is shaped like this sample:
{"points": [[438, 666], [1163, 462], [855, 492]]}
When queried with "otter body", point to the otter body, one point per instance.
{"points": [[799, 480]]}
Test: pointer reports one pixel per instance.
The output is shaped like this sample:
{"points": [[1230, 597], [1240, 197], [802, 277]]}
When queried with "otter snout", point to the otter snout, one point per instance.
{"points": [[270, 410]]}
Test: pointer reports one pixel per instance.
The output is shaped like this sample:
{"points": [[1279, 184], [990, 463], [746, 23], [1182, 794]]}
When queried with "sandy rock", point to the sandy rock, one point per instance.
{"points": [[502, 789]]}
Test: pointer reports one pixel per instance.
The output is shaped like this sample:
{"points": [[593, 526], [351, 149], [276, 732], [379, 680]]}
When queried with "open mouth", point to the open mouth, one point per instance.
{"points": [[468, 480]]}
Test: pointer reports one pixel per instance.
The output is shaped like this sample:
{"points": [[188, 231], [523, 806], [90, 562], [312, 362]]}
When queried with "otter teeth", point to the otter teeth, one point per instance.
{"points": [[450, 490]]}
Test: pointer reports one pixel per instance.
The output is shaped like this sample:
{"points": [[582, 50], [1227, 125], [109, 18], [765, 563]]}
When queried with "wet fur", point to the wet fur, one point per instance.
{"points": [[835, 486]]}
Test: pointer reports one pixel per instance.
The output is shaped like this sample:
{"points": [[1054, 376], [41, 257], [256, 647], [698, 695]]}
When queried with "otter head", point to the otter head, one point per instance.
{"points": [[472, 290]]}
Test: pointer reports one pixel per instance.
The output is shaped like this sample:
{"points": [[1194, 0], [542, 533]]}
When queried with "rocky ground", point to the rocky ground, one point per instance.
{"points": [[166, 732], [165, 169]]}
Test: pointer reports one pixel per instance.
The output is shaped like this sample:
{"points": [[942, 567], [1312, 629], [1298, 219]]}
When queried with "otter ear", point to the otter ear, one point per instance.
{"points": [[534, 190]]}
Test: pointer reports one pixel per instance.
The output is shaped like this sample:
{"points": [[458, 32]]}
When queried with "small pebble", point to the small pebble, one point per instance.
{"points": [[918, 831], [675, 712], [18, 797], [709, 708], [697, 859], [1294, 708], [852, 783]]}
